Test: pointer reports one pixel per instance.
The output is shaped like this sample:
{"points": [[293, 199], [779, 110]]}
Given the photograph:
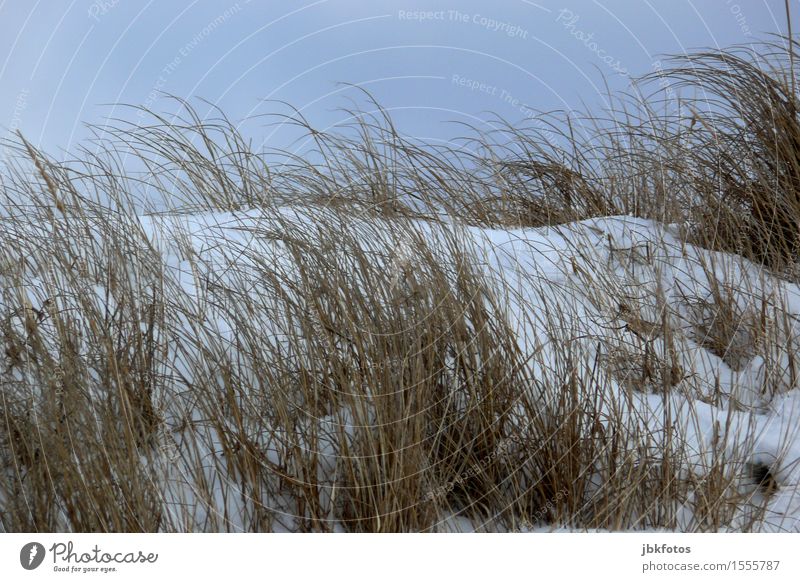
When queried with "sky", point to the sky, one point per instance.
{"points": [[68, 63]]}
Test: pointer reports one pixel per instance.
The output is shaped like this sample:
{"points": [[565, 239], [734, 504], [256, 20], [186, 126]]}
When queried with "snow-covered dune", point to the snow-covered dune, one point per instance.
{"points": [[642, 309]]}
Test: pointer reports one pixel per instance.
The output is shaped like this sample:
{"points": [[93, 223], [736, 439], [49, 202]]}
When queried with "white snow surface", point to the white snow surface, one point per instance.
{"points": [[583, 271]]}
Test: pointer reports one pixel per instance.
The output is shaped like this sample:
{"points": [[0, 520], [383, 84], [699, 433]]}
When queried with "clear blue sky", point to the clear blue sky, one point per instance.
{"points": [[66, 62]]}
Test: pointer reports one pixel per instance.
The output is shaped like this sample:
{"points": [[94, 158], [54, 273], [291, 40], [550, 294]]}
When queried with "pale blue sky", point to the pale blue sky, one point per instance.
{"points": [[63, 62]]}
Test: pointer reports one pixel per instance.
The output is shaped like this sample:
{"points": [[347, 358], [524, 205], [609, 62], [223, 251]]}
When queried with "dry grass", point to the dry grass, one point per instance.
{"points": [[358, 370]]}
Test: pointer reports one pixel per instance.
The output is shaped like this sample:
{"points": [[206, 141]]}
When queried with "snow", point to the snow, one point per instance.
{"points": [[602, 277]]}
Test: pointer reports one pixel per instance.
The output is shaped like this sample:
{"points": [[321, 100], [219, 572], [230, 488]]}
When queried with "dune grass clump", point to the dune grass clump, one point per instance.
{"points": [[320, 342]]}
